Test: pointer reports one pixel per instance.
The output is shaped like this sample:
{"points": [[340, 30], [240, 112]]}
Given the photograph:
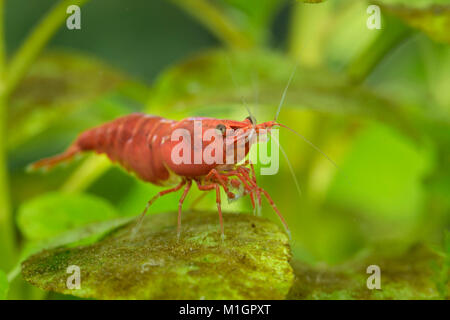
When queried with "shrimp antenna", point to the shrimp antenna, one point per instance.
{"points": [[308, 142], [251, 115], [243, 100], [283, 96], [291, 169]]}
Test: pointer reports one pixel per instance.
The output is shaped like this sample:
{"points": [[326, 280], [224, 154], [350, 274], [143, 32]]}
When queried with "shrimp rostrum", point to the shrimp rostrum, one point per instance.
{"points": [[209, 152]]}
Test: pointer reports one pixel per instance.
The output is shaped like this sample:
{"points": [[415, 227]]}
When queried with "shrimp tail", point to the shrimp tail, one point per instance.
{"points": [[50, 162]]}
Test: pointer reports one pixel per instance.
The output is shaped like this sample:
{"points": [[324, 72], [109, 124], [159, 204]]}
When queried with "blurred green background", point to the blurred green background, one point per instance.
{"points": [[376, 101]]}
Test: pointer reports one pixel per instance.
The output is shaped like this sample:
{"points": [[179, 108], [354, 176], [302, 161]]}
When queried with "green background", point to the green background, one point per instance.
{"points": [[376, 101]]}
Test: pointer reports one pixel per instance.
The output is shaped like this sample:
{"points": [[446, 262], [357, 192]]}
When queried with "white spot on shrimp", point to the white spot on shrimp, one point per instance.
{"points": [[164, 139]]}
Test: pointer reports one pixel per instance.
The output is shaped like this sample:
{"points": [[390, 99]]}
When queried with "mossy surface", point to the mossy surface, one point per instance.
{"points": [[251, 263], [415, 274]]}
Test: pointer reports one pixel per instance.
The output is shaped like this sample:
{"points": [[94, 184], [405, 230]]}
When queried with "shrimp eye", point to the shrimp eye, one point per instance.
{"points": [[251, 119], [221, 128]]}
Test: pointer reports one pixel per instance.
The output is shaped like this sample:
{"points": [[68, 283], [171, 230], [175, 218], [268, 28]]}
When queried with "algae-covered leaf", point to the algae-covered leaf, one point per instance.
{"points": [[220, 78], [4, 285], [410, 275], [56, 84], [430, 16], [75, 237], [251, 263], [53, 213]]}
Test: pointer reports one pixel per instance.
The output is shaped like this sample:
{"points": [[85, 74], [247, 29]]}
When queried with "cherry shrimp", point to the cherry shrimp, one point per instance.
{"points": [[142, 144]]}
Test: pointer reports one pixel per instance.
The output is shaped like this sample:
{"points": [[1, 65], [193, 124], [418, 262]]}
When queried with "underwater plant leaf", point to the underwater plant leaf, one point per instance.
{"points": [[429, 16], [57, 83], [85, 235], [218, 78], [409, 275], [360, 184], [252, 262], [51, 214], [75, 237], [4, 285]]}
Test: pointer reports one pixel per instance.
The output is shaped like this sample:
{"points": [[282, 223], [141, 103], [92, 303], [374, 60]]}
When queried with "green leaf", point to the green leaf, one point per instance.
{"points": [[53, 213], [403, 276], [364, 182], [252, 262], [85, 235], [429, 16], [79, 236], [4, 285], [56, 84], [221, 78]]}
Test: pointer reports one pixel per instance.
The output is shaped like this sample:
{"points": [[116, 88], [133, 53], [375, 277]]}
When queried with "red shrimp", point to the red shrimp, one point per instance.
{"points": [[142, 145]]}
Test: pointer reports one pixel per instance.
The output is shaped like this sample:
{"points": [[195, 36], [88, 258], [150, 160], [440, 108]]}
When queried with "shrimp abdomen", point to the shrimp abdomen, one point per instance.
{"points": [[127, 140]]}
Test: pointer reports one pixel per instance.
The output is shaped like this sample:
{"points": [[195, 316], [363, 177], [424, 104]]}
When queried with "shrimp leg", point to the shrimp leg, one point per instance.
{"points": [[150, 202], [180, 205], [274, 207], [249, 184], [220, 179], [242, 173], [252, 181], [258, 193], [218, 202]]}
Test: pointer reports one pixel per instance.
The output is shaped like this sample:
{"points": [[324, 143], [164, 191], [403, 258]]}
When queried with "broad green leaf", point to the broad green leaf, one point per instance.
{"points": [[51, 214], [75, 237], [408, 275], [430, 16], [252, 262], [220, 78], [57, 84], [4, 285], [365, 181]]}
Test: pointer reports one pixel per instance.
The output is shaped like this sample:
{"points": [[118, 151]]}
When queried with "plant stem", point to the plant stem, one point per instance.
{"points": [[308, 32], [14, 272], [36, 41], [216, 22], [86, 174], [7, 248]]}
